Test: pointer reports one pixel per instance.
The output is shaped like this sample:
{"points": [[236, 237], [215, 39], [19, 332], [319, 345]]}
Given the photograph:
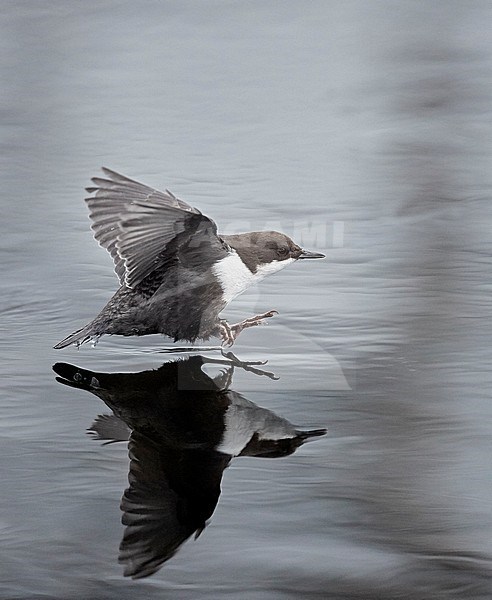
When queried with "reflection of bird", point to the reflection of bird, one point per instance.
{"points": [[183, 428], [176, 273]]}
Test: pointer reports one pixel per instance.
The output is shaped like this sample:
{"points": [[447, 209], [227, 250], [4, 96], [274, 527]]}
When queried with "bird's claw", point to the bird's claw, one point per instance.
{"points": [[226, 334], [229, 333], [249, 365], [240, 363]]}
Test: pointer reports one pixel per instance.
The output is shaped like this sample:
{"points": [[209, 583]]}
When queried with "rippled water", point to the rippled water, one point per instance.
{"points": [[362, 130]]}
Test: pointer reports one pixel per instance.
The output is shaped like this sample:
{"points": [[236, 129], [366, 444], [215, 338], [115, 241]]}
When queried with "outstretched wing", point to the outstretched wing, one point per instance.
{"points": [[137, 225], [172, 493]]}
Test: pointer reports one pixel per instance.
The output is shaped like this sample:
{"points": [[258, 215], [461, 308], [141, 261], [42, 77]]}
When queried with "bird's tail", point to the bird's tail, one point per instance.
{"points": [[305, 435], [77, 337], [76, 377]]}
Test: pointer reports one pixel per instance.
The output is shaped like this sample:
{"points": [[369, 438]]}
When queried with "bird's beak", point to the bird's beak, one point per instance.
{"points": [[308, 254]]}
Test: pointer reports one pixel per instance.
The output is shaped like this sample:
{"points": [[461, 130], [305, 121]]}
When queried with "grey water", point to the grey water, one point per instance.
{"points": [[361, 129]]}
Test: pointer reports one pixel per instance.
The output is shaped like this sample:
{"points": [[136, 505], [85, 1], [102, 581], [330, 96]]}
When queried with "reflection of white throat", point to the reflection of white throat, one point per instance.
{"points": [[243, 419], [235, 277]]}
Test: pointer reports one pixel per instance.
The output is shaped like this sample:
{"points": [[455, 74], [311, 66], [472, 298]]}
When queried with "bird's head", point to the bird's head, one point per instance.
{"points": [[268, 251]]}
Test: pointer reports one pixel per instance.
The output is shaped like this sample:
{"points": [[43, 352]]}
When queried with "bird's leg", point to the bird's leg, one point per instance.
{"points": [[224, 379], [229, 333], [225, 333], [252, 322], [249, 365], [234, 360]]}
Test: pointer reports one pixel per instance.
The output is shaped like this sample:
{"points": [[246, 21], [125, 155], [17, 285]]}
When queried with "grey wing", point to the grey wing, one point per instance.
{"points": [[137, 224], [109, 428]]}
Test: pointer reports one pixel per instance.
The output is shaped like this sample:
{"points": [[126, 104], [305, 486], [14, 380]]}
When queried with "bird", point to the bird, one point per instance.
{"points": [[183, 429], [176, 272]]}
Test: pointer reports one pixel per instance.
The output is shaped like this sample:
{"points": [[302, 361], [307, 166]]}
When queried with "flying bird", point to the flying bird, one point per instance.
{"points": [[176, 272]]}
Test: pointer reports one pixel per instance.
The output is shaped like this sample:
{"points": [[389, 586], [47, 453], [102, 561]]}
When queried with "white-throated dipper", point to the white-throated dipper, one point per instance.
{"points": [[183, 428], [176, 272]]}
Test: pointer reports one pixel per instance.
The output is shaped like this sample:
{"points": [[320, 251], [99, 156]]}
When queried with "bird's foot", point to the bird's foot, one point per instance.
{"points": [[226, 334], [235, 361], [229, 333], [224, 379], [247, 365]]}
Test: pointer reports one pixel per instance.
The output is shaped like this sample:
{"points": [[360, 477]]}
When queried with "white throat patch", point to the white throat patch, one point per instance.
{"points": [[235, 277]]}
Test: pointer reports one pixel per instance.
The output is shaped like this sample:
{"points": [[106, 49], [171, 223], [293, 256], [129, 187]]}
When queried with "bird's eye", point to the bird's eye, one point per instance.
{"points": [[283, 250]]}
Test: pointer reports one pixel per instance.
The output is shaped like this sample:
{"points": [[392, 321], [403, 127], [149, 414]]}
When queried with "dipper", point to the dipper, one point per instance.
{"points": [[184, 428], [177, 274]]}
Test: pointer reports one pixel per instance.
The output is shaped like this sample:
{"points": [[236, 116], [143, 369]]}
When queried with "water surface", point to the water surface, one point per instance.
{"points": [[361, 129]]}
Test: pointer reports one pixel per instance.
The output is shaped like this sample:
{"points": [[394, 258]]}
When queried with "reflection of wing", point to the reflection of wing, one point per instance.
{"points": [[110, 428], [172, 493], [138, 225]]}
